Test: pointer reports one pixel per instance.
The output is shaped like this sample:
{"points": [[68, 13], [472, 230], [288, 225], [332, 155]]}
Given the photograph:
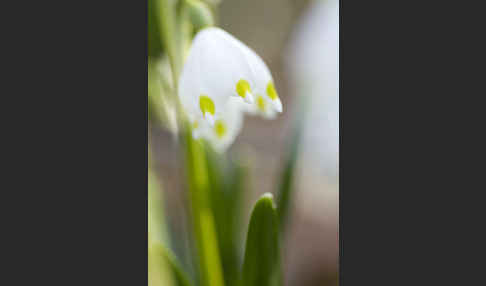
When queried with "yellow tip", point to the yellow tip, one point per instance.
{"points": [[220, 128], [242, 87], [271, 92], [261, 103], [206, 104]]}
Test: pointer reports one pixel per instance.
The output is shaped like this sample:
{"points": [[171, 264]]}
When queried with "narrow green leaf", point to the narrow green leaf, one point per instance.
{"points": [[227, 179], [167, 259], [210, 268], [155, 48], [161, 102], [181, 278], [159, 273], [262, 254], [157, 231], [286, 187], [156, 223], [166, 11]]}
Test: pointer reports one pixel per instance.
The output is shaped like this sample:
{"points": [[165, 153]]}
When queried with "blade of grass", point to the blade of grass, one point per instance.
{"points": [[227, 182], [286, 187], [161, 257], [262, 253], [180, 276], [159, 273], [202, 216], [173, 37], [156, 223], [167, 24], [155, 48]]}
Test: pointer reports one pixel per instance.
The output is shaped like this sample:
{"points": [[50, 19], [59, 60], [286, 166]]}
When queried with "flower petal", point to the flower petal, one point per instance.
{"points": [[226, 126], [215, 70], [261, 82]]}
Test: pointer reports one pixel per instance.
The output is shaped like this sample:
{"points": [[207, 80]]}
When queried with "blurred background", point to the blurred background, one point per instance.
{"points": [[299, 42]]}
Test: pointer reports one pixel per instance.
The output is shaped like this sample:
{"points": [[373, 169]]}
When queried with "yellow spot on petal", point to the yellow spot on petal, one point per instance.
{"points": [[242, 87], [195, 124], [260, 103], [271, 92], [220, 128], [206, 104]]}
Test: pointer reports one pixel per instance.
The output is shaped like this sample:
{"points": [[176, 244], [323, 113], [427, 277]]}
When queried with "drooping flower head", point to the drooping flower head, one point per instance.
{"points": [[220, 80], [214, 71]]}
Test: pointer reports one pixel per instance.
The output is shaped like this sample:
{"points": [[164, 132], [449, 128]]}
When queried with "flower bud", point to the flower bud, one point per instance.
{"points": [[200, 14]]}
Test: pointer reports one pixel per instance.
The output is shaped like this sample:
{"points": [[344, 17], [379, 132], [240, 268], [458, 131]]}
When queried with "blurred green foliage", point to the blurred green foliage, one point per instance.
{"points": [[215, 184], [154, 35], [227, 184], [200, 14], [202, 214], [159, 272]]}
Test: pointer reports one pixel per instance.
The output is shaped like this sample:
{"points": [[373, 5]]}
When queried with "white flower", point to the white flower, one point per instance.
{"points": [[221, 79], [214, 71]]}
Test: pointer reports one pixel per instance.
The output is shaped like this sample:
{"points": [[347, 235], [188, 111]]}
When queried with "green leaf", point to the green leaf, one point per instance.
{"points": [[163, 257], [166, 11], [162, 106], [262, 255], [180, 276], [227, 179], [155, 48], [209, 260], [286, 187], [159, 273], [164, 269], [156, 223]]}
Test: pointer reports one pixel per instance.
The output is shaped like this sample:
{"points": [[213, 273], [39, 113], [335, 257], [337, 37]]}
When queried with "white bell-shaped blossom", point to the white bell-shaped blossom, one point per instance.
{"points": [[221, 79], [258, 81], [215, 70]]}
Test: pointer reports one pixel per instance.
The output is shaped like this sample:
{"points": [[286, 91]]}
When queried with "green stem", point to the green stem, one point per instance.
{"points": [[203, 220], [171, 33], [169, 36]]}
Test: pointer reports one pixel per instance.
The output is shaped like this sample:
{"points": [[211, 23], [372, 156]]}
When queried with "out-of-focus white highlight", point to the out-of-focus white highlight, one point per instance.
{"points": [[313, 66]]}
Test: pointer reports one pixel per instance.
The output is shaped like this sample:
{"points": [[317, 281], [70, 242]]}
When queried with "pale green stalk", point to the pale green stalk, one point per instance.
{"points": [[173, 47], [168, 27], [159, 273], [203, 220]]}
